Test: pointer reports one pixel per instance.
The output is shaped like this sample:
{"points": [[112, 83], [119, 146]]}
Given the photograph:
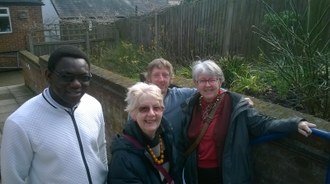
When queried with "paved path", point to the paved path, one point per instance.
{"points": [[13, 93], [11, 97], [11, 78]]}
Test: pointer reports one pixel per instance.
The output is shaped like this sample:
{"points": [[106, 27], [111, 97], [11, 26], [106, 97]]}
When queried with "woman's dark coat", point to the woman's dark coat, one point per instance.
{"points": [[130, 164], [244, 121]]}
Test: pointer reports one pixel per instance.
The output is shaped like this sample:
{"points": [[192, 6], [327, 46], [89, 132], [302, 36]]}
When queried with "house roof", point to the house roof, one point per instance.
{"points": [[21, 2], [67, 9]]}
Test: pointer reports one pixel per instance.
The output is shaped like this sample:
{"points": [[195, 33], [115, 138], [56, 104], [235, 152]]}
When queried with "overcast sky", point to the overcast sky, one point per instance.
{"points": [[48, 12]]}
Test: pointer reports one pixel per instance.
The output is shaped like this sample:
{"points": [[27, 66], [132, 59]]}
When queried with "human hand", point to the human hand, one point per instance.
{"points": [[250, 101], [303, 128]]}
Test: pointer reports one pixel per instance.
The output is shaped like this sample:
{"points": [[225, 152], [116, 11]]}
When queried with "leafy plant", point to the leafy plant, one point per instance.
{"points": [[289, 18], [300, 56], [246, 83], [157, 48], [241, 76], [126, 59], [183, 71]]}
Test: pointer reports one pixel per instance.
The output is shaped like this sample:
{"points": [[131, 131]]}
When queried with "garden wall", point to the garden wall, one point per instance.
{"points": [[292, 159]]}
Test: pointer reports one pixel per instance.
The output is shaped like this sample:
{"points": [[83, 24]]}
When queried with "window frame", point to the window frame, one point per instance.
{"points": [[9, 18]]}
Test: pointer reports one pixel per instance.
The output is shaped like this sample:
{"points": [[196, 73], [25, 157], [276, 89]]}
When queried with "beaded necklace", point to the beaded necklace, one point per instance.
{"points": [[161, 152], [208, 108]]}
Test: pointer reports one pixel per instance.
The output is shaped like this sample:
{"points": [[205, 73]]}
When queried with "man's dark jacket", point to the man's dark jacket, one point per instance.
{"points": [[236, 160], [130, 164]]}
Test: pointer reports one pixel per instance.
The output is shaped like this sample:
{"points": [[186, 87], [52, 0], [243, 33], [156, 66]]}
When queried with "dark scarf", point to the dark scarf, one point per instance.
{"points": [[133, 129]]}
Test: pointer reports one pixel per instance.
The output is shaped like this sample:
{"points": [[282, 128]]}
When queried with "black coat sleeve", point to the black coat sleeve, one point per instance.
{"points": [[122, 171], [260, 125]]}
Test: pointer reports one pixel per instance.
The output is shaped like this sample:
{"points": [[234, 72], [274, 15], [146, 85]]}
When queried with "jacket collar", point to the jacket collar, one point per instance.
{"points": [[189, 103], [46, 95]]}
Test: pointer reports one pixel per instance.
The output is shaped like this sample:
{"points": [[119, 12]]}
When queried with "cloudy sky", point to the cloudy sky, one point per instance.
{"points": [[48, 12]]}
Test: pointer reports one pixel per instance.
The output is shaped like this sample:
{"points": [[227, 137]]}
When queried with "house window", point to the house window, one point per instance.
{"points": [[5, 24]]}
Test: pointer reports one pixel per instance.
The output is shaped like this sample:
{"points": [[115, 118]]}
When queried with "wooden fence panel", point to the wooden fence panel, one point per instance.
{"points": [[210, 27], [90, 38]]}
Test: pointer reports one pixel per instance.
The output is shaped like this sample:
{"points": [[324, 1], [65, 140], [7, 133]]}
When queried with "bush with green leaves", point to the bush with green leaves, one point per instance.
{"points": [[289, 18], [300, 55], [241, 76], [126, 59]]}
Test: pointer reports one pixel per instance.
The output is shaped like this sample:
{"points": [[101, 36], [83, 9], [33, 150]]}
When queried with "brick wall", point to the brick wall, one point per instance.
{"points": [[33, 71], [291, 159], [8, 60], [17, 40]]}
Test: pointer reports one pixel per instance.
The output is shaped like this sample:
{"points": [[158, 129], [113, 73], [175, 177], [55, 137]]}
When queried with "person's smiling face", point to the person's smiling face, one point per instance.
{"points": [[148, 115], [160, 76], [66, 93], [208, 86]]}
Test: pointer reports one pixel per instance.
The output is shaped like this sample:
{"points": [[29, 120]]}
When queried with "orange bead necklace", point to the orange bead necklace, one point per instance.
{"points": [[161, 152]]}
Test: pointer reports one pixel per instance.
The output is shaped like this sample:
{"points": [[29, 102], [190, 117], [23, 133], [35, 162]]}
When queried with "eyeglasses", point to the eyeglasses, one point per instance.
{"points": [[146, 109], [70, 78], [204, 81]]}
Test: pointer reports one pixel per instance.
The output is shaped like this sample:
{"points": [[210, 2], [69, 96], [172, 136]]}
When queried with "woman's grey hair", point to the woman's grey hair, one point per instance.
{"points": [[207, 67], [137, 92]]}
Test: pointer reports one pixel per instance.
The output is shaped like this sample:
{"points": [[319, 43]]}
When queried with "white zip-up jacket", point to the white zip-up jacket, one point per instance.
{"points": [[44, 142]]}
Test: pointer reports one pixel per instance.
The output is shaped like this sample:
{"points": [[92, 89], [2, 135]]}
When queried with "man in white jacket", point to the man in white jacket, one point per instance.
{"points": [[57, 136]]}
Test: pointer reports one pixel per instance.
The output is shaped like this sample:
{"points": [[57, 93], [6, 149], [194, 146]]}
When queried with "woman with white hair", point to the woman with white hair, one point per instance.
{"points": [[216, 126], [145, 153]]}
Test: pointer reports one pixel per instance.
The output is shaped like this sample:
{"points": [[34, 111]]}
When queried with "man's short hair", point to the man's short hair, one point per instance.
{"points": [[66, 51], [158, 63]]}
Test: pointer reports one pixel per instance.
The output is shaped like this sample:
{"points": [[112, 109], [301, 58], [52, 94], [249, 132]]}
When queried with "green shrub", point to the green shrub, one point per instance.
{"points": [[183, 71], [126, 59], [300, 57], [241, 76]]}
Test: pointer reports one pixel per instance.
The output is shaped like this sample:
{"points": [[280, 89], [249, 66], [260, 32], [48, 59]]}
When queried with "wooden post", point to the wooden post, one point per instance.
{"points": [[136, 11], [116, 36], [156, 34], [228, 24], [30, 40], [87, 42]]}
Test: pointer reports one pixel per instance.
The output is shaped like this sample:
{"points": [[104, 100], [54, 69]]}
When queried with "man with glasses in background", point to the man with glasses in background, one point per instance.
{"points": [[57, 136]]}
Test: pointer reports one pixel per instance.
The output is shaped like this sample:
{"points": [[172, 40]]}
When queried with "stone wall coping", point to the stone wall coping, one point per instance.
{"points": [[29, 56], [109, 79]]}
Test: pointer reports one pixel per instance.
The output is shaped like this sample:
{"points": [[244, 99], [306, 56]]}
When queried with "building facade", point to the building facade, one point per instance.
{"points": [[17, 19]]}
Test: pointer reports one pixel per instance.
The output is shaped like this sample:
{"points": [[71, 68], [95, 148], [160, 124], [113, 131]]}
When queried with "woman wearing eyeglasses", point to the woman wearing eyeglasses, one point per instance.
{"points": [[144, 153], [214, 141]]}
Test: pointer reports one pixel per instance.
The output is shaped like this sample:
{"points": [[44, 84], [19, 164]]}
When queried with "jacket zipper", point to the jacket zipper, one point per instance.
{"points": [[81, 147]]}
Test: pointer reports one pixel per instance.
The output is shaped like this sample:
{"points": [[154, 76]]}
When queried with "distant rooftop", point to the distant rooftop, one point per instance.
{"points": [[21, 2], [69, 9]]}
